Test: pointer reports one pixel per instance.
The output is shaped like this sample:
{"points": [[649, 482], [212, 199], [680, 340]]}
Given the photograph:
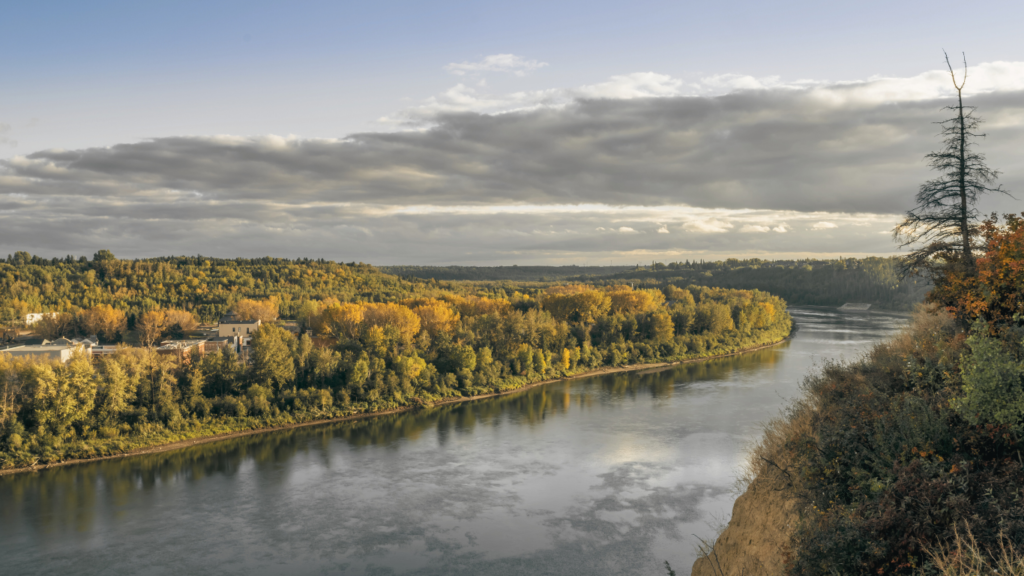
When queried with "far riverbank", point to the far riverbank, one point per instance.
{"points": [[160, 446]]}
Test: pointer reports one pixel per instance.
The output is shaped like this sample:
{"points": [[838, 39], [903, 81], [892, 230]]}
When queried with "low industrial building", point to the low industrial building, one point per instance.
{"points": [[51, 351], [230, 325]]}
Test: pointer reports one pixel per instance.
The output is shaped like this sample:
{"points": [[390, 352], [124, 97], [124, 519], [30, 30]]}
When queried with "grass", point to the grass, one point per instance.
{"points": [[964, 557]]}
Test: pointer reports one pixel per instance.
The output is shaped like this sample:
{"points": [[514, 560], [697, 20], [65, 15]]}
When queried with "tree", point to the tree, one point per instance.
{"points": [[151, 326], [56, 325], [262, 310], [272, 364], [104, 321], [103, 256], [112, 399], [713, 318], [177, 323], [63, 395], [576, 303], [944, 221], [339, 320], [436, 317], [388, 314]]}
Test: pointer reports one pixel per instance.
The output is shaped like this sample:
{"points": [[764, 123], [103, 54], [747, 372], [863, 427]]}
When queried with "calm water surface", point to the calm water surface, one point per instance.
{"points": [[604, 475]]}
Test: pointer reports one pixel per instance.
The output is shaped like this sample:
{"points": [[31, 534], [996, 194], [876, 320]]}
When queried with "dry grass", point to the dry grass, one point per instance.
{"points": [[928, 334], [966, 558]]}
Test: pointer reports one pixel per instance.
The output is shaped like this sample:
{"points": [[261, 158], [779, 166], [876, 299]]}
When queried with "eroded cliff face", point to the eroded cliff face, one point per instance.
{"points": [[757, 539]]}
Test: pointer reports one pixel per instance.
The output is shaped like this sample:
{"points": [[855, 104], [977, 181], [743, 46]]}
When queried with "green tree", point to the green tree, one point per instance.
{"points": [[221, 372], [112, 398], [63, 396], [103, 256], [712, 317], [270, 352]]}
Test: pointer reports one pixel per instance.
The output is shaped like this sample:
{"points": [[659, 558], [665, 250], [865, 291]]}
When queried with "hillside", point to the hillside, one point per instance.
{"points": [[907, 461]]}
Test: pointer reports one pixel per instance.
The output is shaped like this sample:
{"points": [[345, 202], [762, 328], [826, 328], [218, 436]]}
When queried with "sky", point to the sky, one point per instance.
{"points": [[489, 133]]}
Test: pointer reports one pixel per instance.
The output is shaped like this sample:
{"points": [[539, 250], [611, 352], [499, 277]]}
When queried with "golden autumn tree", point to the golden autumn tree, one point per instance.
{"points": [[177, 323], [103, 321], [150, 326], [477, 306], [436, 317], [388, 314], [262, 310], [339, 320], [626, 300], [576, 303]]}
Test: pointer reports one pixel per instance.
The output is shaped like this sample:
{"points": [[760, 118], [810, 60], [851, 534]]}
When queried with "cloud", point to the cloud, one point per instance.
{"points": [[781, 150], [474, 234], [709, 226], [986, 78], [629, 86], [544, 182], [496, 63]]}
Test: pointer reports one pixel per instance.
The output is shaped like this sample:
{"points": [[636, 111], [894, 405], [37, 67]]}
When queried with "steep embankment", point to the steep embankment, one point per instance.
{"points": [[885, 461], [758, 540]]}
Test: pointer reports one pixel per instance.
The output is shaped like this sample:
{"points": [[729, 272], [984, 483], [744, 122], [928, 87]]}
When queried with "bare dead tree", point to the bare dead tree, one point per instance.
{"points": [[943, 225]]}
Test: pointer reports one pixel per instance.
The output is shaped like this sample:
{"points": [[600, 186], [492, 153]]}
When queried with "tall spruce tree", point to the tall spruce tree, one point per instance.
{"points": [[943, 224]]}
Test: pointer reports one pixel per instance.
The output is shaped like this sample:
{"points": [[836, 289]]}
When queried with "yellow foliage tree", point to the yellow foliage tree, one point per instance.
{"points": [[179, 322], [436, 317], [150, 326], [103, 321], [339, 320], [478, 306], [576, 303], [392, 315], [263, 310], [625, 300]]}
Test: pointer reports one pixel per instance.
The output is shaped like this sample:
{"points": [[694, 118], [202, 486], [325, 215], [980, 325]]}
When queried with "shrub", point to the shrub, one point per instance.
{"points": [[992, 392]]}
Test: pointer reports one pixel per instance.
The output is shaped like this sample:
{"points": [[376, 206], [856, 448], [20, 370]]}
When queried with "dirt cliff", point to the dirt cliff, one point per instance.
{"points": [[757, 539]]}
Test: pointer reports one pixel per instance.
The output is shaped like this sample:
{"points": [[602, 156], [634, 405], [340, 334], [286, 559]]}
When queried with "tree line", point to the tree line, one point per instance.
{"points": [[874, 280]]}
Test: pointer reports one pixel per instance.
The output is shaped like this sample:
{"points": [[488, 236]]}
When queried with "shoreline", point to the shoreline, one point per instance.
{"points": [[652, 367]]}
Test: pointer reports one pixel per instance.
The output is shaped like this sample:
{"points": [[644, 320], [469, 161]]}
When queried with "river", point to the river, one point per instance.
{"points": [[603, 475]]}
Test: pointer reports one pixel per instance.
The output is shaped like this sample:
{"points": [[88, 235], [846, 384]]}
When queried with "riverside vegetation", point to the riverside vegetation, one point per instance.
{"points": [[382, 344], [909, 460]]}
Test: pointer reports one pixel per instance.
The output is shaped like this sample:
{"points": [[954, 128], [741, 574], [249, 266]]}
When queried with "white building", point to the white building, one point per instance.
{"points": [[31, 319]]}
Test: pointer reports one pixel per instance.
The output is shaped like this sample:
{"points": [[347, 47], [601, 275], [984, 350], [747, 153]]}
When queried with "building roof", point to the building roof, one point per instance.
{"points": [[36, 349], [232, 318], [179, 344]]}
